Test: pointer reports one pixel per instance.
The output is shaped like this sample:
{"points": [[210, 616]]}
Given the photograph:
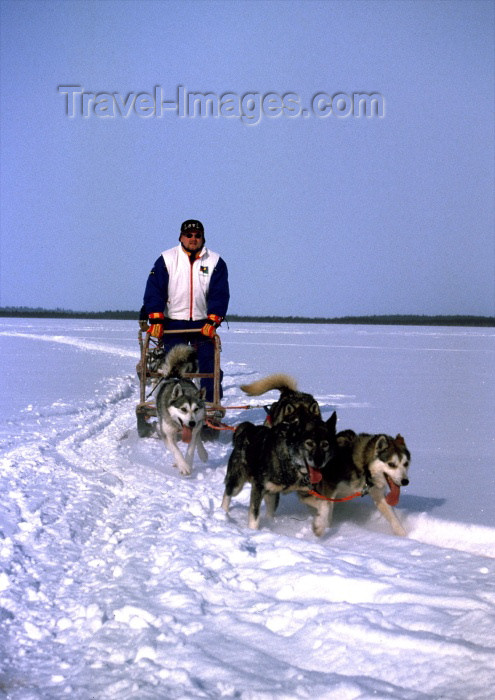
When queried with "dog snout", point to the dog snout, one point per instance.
{"points": [[404, 482], [192, 423]]}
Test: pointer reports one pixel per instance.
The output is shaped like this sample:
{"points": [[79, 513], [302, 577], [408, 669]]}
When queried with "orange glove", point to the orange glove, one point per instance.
{"points": [[156, 325], [210, 327]]}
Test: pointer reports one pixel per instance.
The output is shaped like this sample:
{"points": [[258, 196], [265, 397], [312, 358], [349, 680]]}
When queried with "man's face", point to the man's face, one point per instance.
{"points": [[192, 241]]}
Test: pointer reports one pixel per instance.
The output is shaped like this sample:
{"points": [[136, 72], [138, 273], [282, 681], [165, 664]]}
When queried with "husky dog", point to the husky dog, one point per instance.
{"points": [[277, 460], [180, 406], [363, 463], [293, 406]]}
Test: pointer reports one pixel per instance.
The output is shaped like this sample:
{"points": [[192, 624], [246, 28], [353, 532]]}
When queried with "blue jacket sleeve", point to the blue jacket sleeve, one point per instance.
{"points": [[156, 292], [218, 292]]}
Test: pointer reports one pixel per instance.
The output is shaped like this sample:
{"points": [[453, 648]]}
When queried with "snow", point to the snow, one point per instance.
{"points": [[120, 579]]}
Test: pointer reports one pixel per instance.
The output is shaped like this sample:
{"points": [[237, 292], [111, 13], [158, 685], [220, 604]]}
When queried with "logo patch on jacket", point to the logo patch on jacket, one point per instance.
{"points": [[204, 269]]}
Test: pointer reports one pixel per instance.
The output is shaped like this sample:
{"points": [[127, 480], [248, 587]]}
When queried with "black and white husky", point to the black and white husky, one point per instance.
{"points": [[180, 407], [363, 463], [287, 457]]}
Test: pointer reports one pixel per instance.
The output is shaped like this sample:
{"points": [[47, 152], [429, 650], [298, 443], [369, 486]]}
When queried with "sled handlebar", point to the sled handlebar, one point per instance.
{"points": [[215, 375]]}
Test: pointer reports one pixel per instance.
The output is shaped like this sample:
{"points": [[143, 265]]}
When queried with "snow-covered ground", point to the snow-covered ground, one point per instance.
{"points": [[121, 580]]}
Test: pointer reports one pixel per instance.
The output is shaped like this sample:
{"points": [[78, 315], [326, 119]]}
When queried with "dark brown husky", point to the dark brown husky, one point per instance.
{"points": [[293, 406]]}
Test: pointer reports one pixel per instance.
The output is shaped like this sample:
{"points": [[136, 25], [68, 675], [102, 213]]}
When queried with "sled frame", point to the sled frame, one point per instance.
{"points": [[146, 409]]}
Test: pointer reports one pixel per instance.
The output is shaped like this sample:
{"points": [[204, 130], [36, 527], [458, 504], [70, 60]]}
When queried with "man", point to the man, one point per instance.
{"points": [[188, 287]]}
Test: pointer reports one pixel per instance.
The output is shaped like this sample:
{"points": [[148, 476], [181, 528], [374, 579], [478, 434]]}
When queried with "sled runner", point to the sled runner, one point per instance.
{"points": [[152, 355]]}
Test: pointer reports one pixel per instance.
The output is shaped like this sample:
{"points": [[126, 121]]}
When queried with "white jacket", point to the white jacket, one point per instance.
{"points": [[188, 284]]}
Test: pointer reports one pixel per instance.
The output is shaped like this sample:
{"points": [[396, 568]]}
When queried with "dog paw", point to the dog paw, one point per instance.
{"points": [[253, 523], [318, 528], [184, 469], [226, 503]]}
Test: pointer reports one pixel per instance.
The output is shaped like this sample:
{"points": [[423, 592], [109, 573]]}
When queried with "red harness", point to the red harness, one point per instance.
{"points": [[339, 500]]}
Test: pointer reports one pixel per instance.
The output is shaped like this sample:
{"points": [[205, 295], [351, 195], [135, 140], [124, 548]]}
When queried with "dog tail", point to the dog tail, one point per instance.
{"points": [[273, 381], [180, 360]]}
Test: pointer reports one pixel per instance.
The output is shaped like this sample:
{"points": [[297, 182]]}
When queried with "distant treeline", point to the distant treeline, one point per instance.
{"points": [[388, 319]]}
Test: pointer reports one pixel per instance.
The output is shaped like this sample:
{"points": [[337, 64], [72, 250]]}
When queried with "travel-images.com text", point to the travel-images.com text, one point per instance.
{"points": [[249, 107]]}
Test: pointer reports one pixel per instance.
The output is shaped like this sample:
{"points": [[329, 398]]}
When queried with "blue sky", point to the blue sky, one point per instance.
{"points": [[315, 215]]}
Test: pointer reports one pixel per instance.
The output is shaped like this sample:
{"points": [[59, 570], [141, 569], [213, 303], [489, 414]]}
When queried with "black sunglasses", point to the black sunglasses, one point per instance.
{"points": [[193, 235]]}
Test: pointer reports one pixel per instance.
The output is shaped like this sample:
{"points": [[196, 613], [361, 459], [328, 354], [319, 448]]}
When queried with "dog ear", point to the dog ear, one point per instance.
{"points": [[176, 391], [202, 393], [314, 408], [381, 443], [332, 422], [399, 441], [345, 438]]}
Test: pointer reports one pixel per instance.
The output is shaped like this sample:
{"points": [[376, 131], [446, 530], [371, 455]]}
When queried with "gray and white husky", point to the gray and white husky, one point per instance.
{"points": [[180, 407], [373, 463]]}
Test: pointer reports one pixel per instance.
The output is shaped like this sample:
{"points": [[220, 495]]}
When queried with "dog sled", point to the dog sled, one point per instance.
{"points": [[151, 356]]}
